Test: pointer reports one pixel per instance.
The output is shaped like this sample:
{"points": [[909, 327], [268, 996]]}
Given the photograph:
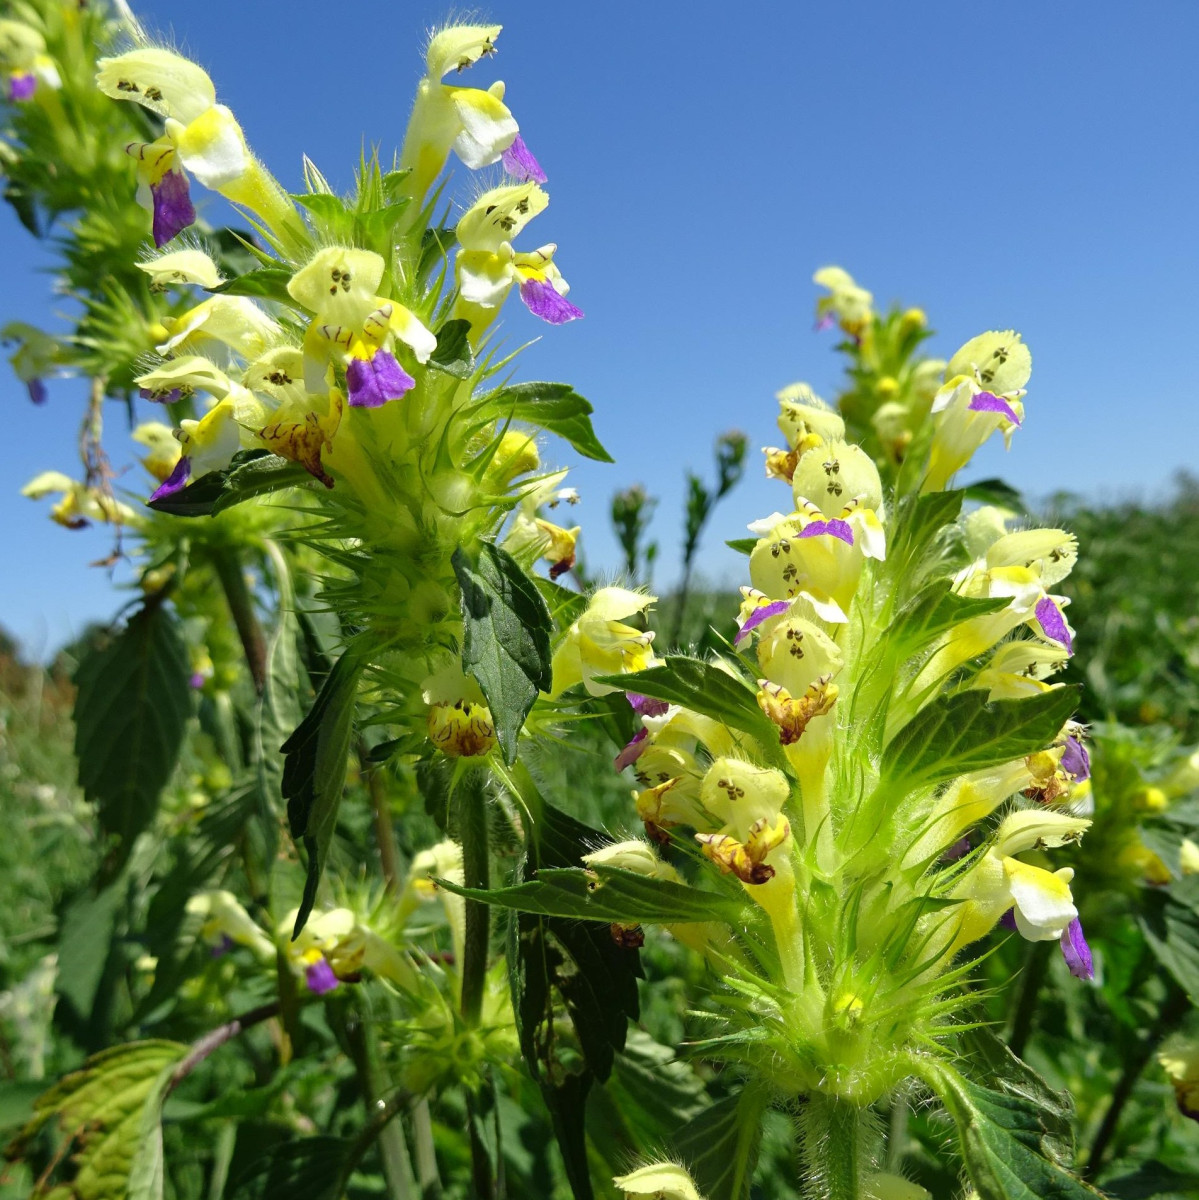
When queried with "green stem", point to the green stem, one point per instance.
{"points": [[376, 785], [1176, 1006], [241, 605], [476, 869], [833, 1148], [1030, 988]]}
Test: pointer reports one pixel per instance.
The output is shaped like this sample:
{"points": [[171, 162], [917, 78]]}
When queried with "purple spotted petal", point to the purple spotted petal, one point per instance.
{"points": [[163, 397], [632, 752], [834, 528], [37, 390], [544, 301], [372, 383], [1053, 624], [176, 481], [646, 706], [22, 85], [173, 209], [319, 977], [759, 615], [1076, 762], [1076, 952], [989, 402], [519, 162]]}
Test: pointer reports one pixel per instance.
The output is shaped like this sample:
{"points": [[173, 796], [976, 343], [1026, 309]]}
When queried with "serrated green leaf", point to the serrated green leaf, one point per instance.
{"points": [[720, 1146], [453, 354], [1151, 1181], [918, 520], [565, 606], [110, 1108], [705, 689], [608, 894], [963, 732], [506, 642], [266, 283], [556, 408], [85, 936], [314, 770], [251, 473], [1005, 1137], [131, 710], [742, 545], [329, 214]]}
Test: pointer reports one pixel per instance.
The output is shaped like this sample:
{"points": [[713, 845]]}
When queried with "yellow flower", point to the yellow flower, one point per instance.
{"points": [[598, 643]]}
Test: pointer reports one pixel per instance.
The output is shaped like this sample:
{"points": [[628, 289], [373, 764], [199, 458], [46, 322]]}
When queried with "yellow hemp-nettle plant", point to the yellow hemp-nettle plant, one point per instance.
{"points": [[875, 774]]}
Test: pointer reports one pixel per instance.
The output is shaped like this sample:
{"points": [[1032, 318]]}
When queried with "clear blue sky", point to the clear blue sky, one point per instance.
{"points": [[1026, 165]]}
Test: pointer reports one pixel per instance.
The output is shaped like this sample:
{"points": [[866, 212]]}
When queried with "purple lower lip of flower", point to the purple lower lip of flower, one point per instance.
{"points": [[1008, 920], [543, 300], [173, 209], [372, 382], [759, 615], [989, 402], [197, 680], [176, 481], [1054, 624], [22, 85], [646, 706], [834, 528], [519, 162], [632, 752], [160, 397], [221, 947], [1076, 952], [1076, 762], [319, 977], [959, 849], [37, 390], [825, 322]]}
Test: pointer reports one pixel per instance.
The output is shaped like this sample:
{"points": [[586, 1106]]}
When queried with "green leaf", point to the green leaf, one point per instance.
{"points": [[131, 710], [997, 492], [918, 520], [556, 408], [453, 354], [742, 545], [314, 769], [1006, 1139], [595, 978], [705, 689], [963, 732], [251, 473], [934, 611], [329, 213], [111, 1109], [312, 1168], [608, 894], [1153, 1180], [506, 644], [267, 283], [85, 937], [565, 606], [1169, 918], [720, 1146]]}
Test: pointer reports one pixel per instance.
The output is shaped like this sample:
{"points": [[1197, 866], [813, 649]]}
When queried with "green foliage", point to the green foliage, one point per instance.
{"points": [[131, 710], [556, 407], [506, 644], [252, 473]]}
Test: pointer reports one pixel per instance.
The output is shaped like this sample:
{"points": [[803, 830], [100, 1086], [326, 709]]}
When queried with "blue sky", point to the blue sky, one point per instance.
{"points": [[1030, 166]]}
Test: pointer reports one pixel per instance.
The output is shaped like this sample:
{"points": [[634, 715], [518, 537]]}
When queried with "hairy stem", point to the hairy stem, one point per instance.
{"points": [[476, 869], [216, 1038], [389, 859], [241, 605], [833, 1146]]}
